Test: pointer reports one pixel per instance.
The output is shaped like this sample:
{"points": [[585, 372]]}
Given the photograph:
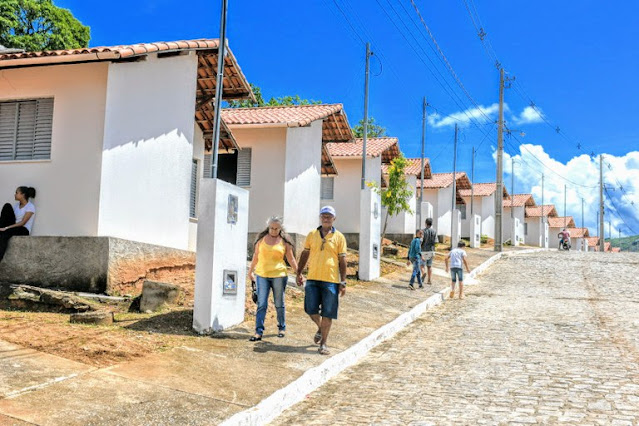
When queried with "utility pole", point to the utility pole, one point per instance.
{"points": [[564, 207], [420, 222], [221, 54], [454, 187], [543, 218], [610, 230], [472, 185], [582, 213], [500, 154], [368, 55], [601, 206], [512, 192]]}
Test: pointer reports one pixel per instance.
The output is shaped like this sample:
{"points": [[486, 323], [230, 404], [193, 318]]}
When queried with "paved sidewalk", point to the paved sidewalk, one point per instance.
{"points": [[546, 338], [203, 382]]}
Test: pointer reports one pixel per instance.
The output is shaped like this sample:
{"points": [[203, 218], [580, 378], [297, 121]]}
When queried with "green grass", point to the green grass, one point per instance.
{"points": [[626, 243]]}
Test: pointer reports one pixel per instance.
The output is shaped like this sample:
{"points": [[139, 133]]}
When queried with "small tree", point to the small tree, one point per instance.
{"points": [[260, 102], [373, 130], [397, 193], [35, 25]]}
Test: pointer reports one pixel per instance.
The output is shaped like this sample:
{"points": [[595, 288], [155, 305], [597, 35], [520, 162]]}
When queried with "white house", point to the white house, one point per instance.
{"points": [[282, 161], [343, 190], [579, 238], [113, 138], [438, 191], [404, 224], [556, 225], [480, 200], [514, 207], [535, 217]]}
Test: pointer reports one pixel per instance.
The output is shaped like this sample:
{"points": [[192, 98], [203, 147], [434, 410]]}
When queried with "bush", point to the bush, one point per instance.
{"points": [[484, 239]]}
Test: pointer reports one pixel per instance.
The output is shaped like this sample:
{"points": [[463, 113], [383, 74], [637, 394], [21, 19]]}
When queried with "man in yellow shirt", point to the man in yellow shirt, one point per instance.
{"points": [[325, 252]]}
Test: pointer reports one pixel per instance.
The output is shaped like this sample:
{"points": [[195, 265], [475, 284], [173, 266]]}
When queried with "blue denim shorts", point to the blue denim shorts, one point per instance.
{"points": [[457, 272], [321, 297]]}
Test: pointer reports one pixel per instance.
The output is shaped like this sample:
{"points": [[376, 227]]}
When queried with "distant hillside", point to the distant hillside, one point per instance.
{"points": [[626, 243]]}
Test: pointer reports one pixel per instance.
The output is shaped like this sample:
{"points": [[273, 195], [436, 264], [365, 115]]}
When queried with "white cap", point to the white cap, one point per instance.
{"points": [[329, 210]]}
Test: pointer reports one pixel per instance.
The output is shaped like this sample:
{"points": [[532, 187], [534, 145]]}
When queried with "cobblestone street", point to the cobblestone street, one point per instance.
{"points": [[544, 338]]}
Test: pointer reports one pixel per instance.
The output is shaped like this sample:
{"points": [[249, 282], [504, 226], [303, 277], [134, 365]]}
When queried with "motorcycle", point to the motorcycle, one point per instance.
{"points": [[563, 245]]}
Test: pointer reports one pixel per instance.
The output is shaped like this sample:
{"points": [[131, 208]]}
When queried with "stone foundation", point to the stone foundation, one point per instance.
{"points": [[87, 264]]}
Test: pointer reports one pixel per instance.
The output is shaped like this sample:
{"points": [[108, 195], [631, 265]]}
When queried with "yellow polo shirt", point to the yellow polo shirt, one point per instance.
{"points": [[323, 262]]}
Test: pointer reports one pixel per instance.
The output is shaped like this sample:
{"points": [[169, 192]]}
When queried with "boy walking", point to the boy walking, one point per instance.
{"points": [[415, 257], [456, 257], [428, 249]]}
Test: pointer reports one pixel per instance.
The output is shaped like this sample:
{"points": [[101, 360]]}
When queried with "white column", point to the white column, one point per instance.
{"points": [[369, 235], [475, 231], [545, 234], [456, 218], [515, 232], [427, 211], [220, 269]]}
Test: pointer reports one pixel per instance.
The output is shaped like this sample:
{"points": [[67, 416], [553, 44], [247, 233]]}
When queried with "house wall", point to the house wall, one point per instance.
{"points": [[67, 185], [444, 210], [198, 154], [302, 182], [553, 239], [488, 216], [268, 159], [535, 232], [404, 222], [148, 149], [520, 213], [431, 196], [347, 190]]}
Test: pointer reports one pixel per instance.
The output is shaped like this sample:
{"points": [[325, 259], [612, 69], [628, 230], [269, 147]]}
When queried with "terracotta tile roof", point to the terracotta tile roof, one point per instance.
{"points": [[548, 210], [444, 180], [607, 246], [592, 241], [482, 190], [328, 166], [616, 249], [388, 148], [578, 232], [413, 168], [558, 222], [335, 127], [520, 200]]}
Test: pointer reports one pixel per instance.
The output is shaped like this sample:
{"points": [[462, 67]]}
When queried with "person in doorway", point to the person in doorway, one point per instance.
{"points": [[268, 270], [325, 253], [457, 256], [428, 249], [415, 257], [17, 219]]}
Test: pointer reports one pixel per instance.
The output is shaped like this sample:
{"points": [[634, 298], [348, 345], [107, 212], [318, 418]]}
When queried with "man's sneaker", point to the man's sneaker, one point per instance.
{"points": [[411, 287], [421, 286]]}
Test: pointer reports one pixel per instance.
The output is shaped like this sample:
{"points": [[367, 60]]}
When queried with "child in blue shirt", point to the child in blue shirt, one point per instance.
{"points": [[415, 257]]}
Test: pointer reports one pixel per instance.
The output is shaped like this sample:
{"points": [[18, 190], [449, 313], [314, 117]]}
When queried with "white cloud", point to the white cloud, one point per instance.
{"points": [[463, 118], [583, 174], [529, 115]]}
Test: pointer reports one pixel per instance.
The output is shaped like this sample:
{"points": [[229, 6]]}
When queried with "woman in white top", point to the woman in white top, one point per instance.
{"points": [[17, 219]]}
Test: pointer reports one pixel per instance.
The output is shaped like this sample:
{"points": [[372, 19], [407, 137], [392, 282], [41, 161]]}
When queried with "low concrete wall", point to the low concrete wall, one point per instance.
{"points": [[400, 238], [89, 264]]}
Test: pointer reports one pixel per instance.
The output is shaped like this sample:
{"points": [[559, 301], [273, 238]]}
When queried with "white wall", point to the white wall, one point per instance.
{"points": [[488, 216], [303, 177], [535, 232], [431, 196], [444, 210], [148, 137], [68, 185], [268, 157], [404, 223], [507, 227]]}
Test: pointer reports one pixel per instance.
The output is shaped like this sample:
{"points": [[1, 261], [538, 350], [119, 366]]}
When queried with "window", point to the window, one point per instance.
{"points": [[25, 129], [207, 172], [462, 209], [525, 229], [193, 203], [244, 167], [327, 188]]}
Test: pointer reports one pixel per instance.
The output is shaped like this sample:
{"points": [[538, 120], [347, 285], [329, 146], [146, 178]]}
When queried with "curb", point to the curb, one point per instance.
{"points": [[272, 406]]}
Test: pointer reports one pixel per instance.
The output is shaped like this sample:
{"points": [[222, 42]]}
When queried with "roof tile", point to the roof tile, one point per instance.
{"points": [[444, 180], [536, 211], [519, 200], [374, 147]]}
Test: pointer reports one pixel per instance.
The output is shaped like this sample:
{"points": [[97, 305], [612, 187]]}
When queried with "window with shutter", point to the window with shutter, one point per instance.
{"points": [[193, 205], [244, 167], [327, 188], [206, 172], [25, 129]]}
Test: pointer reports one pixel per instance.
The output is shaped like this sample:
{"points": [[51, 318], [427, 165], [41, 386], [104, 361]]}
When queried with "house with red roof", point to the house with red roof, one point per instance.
{"points": [[113, 138], [283, 159], [342, 190], [514, 207], [438, 191], [480, 200], [403, 225]]}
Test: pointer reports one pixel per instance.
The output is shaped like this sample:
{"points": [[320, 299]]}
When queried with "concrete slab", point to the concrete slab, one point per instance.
{"points": [[213, 375], [100, 398], [25, 369]]}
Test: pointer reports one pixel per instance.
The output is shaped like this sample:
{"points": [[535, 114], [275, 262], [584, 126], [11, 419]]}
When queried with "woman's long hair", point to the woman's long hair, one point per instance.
{"points": [[285, 237]]}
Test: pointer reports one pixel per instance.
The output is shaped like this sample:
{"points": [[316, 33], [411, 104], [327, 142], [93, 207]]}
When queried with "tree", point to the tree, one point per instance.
{"points": [[260, 102], [35, 25], [373, 130], [397, 193]]}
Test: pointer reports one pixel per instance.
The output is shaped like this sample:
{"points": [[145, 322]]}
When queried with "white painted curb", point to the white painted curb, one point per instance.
{"points": [[272, 406]]}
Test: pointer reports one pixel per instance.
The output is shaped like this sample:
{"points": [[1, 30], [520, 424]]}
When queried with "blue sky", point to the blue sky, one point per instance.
{"points": [[577, 61]]}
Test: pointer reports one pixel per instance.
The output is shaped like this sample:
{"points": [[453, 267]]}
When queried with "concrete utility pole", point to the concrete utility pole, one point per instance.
{"points": [[610, 230], [454, 187], [420, 223], [512, 191], [500, 154], [219, 82], [564, 207], [472, 185], [368, 56], [543, 218], [582, 213], [601, 205]]}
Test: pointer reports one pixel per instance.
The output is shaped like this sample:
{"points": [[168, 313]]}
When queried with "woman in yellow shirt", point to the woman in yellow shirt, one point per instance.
{"points": [[268, 270]]}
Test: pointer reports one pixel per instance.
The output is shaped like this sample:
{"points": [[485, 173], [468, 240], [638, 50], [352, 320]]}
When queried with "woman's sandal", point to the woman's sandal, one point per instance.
{"points": [[255, 339], [281, 334], [317, 338], [323, 350]]}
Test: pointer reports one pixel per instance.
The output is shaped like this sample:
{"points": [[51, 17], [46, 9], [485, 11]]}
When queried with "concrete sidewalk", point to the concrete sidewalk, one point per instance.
{"points": [[204, 382]]}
